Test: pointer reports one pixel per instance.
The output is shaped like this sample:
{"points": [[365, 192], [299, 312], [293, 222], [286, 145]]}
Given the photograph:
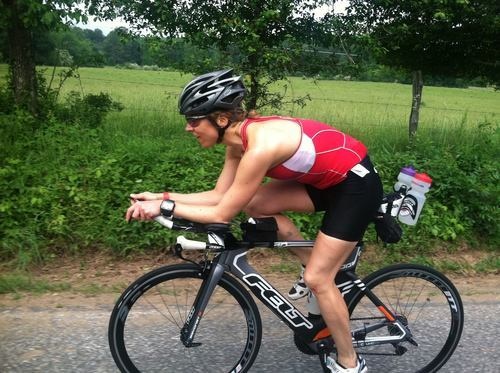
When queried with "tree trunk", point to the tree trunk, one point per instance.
{"points": [[254, 93], [21, 59], [418, 85]]}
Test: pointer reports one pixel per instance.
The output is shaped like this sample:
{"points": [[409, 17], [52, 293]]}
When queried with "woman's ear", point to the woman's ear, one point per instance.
{"points": [[222, 121]]}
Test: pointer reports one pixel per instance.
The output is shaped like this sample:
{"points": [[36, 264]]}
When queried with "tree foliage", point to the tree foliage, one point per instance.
{"points": [[21, 19], [261, 38], [449, 37], [83, 46]]}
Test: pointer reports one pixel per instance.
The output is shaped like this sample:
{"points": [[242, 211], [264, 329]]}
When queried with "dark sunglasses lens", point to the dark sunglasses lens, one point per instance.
{"points": [[193, 121]]}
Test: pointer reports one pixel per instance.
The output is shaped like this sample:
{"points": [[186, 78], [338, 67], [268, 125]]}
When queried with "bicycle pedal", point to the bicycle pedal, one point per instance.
{"points": [[323, 353]]}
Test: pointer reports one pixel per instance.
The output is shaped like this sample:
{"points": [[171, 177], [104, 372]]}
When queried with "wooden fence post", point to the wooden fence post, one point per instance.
{"points": [[418, 85]]}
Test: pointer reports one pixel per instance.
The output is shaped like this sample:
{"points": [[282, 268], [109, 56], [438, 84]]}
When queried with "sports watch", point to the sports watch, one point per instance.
{"points": [[167, 208]]}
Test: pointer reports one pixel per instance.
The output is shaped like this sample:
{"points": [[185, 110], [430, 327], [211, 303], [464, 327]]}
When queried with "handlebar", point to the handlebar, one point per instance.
{"points": [[164, 221], [390, 201], [190, 226], [196, 245]]}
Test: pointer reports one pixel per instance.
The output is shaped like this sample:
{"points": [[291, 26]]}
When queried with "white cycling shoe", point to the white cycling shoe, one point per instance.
{"points": [[299, 289], [335, 367]]}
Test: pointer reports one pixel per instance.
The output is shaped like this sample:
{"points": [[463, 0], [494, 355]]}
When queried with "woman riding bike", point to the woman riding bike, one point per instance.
{"points": [[313, 167]]}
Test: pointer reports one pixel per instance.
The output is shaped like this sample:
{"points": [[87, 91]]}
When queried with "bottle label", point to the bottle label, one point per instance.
{"points": [[410, 207]]}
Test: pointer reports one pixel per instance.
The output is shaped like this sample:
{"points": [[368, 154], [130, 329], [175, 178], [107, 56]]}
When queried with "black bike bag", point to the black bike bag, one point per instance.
{"points": [[260, 230]]}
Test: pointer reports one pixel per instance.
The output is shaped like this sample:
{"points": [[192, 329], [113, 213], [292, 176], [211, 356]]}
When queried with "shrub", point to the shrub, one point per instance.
{"points": [[464, 199], [87, 110]]}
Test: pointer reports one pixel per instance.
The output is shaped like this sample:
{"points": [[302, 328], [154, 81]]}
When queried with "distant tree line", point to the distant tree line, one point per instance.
{"points": [[91, 48], [74, 46]]}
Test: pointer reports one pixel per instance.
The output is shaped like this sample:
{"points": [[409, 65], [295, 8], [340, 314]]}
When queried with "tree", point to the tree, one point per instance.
{"points": [[95, 36], [119, 49], [22, 19], [265, 34], [447, 37]]}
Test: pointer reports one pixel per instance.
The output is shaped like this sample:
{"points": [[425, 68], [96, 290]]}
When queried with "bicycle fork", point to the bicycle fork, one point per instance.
{"points": [[188, 331]]}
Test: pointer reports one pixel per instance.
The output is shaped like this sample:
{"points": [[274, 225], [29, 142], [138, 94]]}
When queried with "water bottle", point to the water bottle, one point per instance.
{"points": [[400, 188], [415, 199], [312, 306], [405, 178]]}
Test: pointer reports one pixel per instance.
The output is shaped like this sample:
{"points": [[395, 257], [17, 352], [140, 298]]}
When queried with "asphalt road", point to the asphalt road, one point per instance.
{"points": [[74, 339]]}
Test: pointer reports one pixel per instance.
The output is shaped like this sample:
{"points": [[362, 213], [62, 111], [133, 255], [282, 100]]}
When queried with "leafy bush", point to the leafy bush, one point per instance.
{"points": [[63, 189], [66, 194], [87, 110], [464, 199]]}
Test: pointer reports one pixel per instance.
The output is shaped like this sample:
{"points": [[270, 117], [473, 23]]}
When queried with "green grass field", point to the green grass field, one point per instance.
{"points": [[362, 108]]}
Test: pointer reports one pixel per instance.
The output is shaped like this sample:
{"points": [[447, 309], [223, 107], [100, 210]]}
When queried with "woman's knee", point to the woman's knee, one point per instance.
{"points": [[316, 281]]}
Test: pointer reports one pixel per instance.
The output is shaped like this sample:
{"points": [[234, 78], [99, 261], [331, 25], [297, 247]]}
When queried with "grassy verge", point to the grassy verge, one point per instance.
{"points": [[464, 262], [92, 277], [17, 282]]}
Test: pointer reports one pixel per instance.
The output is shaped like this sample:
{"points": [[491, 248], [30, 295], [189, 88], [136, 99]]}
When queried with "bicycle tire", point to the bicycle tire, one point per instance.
{"points": [[430, 304], [144, 327]]}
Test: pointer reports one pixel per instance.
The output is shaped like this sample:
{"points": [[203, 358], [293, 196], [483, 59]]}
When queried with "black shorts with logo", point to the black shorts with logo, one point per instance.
{"points": [[350, 205]]}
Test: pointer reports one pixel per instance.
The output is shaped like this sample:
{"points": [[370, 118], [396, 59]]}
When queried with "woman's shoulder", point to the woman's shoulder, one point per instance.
{"points": [[270, 118], [271, 132], [269, 123]]}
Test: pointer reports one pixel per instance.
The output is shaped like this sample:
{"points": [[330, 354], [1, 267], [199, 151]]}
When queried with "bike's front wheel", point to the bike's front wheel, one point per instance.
{"points": [[144, 328], [423, 299]]}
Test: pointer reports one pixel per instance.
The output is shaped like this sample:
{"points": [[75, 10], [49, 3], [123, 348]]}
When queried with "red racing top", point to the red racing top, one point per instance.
{"points": [[323, 157]]}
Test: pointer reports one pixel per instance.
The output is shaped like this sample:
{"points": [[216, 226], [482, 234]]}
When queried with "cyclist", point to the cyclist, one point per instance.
{"points": [[314, 167]]}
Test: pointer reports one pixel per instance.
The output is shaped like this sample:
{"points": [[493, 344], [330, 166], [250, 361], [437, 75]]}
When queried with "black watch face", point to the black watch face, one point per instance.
{"points": [[167, 207]]}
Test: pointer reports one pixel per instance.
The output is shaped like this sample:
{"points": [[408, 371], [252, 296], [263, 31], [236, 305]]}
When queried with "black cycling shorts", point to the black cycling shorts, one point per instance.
{"points": [[350, 205]]}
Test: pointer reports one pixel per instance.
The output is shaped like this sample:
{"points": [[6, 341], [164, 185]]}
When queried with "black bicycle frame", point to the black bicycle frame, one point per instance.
{"points": [[234, 261]]}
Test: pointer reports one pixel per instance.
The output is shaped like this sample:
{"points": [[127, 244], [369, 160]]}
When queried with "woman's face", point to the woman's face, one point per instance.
{"points": [[203, 130]]}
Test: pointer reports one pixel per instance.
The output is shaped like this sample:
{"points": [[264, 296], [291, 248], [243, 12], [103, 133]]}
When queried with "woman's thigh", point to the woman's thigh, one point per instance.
{"points": [[328, 255], [279, 196]]}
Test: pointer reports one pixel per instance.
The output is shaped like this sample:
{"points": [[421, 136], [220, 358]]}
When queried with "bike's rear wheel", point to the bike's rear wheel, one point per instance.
{"points": [[427, 301], [144, 328]]}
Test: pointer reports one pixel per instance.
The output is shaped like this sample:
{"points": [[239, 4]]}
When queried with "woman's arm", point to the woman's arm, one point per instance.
{"points": [[238, 181], [224, 181], [210, 197], [146, 205], [250, 173], [262, 153]]}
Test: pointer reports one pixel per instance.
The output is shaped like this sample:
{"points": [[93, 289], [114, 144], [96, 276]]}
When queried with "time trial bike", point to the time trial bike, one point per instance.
{"points": [[200, 316]]}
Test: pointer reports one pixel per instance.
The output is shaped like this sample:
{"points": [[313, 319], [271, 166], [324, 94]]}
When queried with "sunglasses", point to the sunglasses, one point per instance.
{"points": [[194, 121]]}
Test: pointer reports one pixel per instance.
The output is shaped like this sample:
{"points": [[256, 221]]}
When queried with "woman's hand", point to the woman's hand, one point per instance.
{"points": [[146, 196], [143, 210]]}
